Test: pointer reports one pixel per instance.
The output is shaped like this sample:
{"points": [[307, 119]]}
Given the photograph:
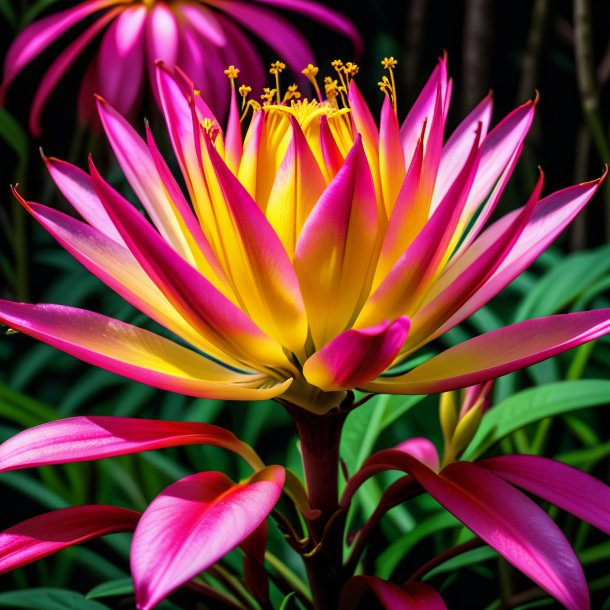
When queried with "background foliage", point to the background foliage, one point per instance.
{"points": [[552, 408]]}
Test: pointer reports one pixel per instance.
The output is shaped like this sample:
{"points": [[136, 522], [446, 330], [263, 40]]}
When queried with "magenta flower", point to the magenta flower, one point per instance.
{"points": [[200, 36], [319, 252]]}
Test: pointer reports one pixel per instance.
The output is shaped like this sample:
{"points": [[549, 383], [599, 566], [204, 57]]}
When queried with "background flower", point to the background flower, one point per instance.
{"points": [[200, 36]]}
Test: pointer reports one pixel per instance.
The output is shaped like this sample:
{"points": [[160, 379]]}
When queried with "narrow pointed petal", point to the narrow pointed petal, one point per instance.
{"points": [[233, 139], [123, 48], [297, 187], [78, 439], [570, 489], [498, 353], [549, 218], [356, 356], [76, 186], [192, 524], [322, 14], [38, 36], [497, 150], [412, 596], [61, 65], [114, 265], [132, 352], [159, 193], [202, 305], [46, 534], [392, 168], [499, 514], [337, 250], [402, 291], [449, 293], [456, 150], [423, 109]]}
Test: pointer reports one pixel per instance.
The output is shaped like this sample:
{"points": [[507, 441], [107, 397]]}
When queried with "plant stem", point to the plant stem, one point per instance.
{"points": [[319, 436]]}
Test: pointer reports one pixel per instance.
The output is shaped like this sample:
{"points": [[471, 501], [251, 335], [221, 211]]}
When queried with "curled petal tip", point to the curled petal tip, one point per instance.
{"points": [[536, 98]]}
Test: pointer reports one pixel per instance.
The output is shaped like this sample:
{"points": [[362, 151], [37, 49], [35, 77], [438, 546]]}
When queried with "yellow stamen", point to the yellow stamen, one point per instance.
{"points": [[311, 72], [337, 64], [244, 91], [389, 63], [277, 67], [267, 95], [232, 72], [292, 93]]}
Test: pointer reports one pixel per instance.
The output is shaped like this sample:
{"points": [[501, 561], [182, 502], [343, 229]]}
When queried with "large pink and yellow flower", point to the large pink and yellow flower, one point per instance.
{"points": [[312, 256], [200, 36]]}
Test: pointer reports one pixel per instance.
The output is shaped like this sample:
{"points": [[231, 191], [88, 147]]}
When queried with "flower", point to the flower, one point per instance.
{"points": [[320, 253], [200, 36]]}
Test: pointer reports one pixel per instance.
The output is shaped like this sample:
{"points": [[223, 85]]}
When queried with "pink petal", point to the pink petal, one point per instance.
{"points": [[76, 186], [502, 516], [121, 59], [205, 23], [206, 309], [423, 449], [78, 439], [131, 352], [449, 293], [38, 36], [549, 218], [402, 291], [456, 150], [192, 524], [569, 488], [356, 356], [322, 14], [259, 265], [337, 249], [412, 596], [498, 353], [497, 150], [162, 41], [286, 40], [424, 109], [62, 64], [391, 159], [46, 534]]}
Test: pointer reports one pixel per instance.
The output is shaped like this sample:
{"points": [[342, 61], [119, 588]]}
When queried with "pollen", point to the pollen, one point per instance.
{"points": [[232, 72]]}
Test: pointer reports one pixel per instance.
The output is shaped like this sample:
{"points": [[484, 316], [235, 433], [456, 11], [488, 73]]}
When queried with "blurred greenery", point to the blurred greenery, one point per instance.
{"points": [[559, 408]]}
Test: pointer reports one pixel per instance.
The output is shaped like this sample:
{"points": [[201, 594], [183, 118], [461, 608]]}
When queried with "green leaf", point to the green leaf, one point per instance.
{"points": [[469, 558], [8, 12], [48, 599], [534, 404], [286, 601], [388, 561], [564, 283], [120, 586], [13, 134]]}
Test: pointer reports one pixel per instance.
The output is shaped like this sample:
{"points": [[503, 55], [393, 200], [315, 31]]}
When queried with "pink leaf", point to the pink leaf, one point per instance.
{"points": [[412, 596], [569, 488], [46, 534], [192, 524], [77, 439]]}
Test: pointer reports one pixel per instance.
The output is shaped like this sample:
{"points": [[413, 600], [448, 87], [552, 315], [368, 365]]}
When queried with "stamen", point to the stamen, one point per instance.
{"points": [[277, 67], [337, 64], [331, 87], [232, 72], [311, 72], [389, 63], [244, 91], [267, 95], [292, 93]]}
